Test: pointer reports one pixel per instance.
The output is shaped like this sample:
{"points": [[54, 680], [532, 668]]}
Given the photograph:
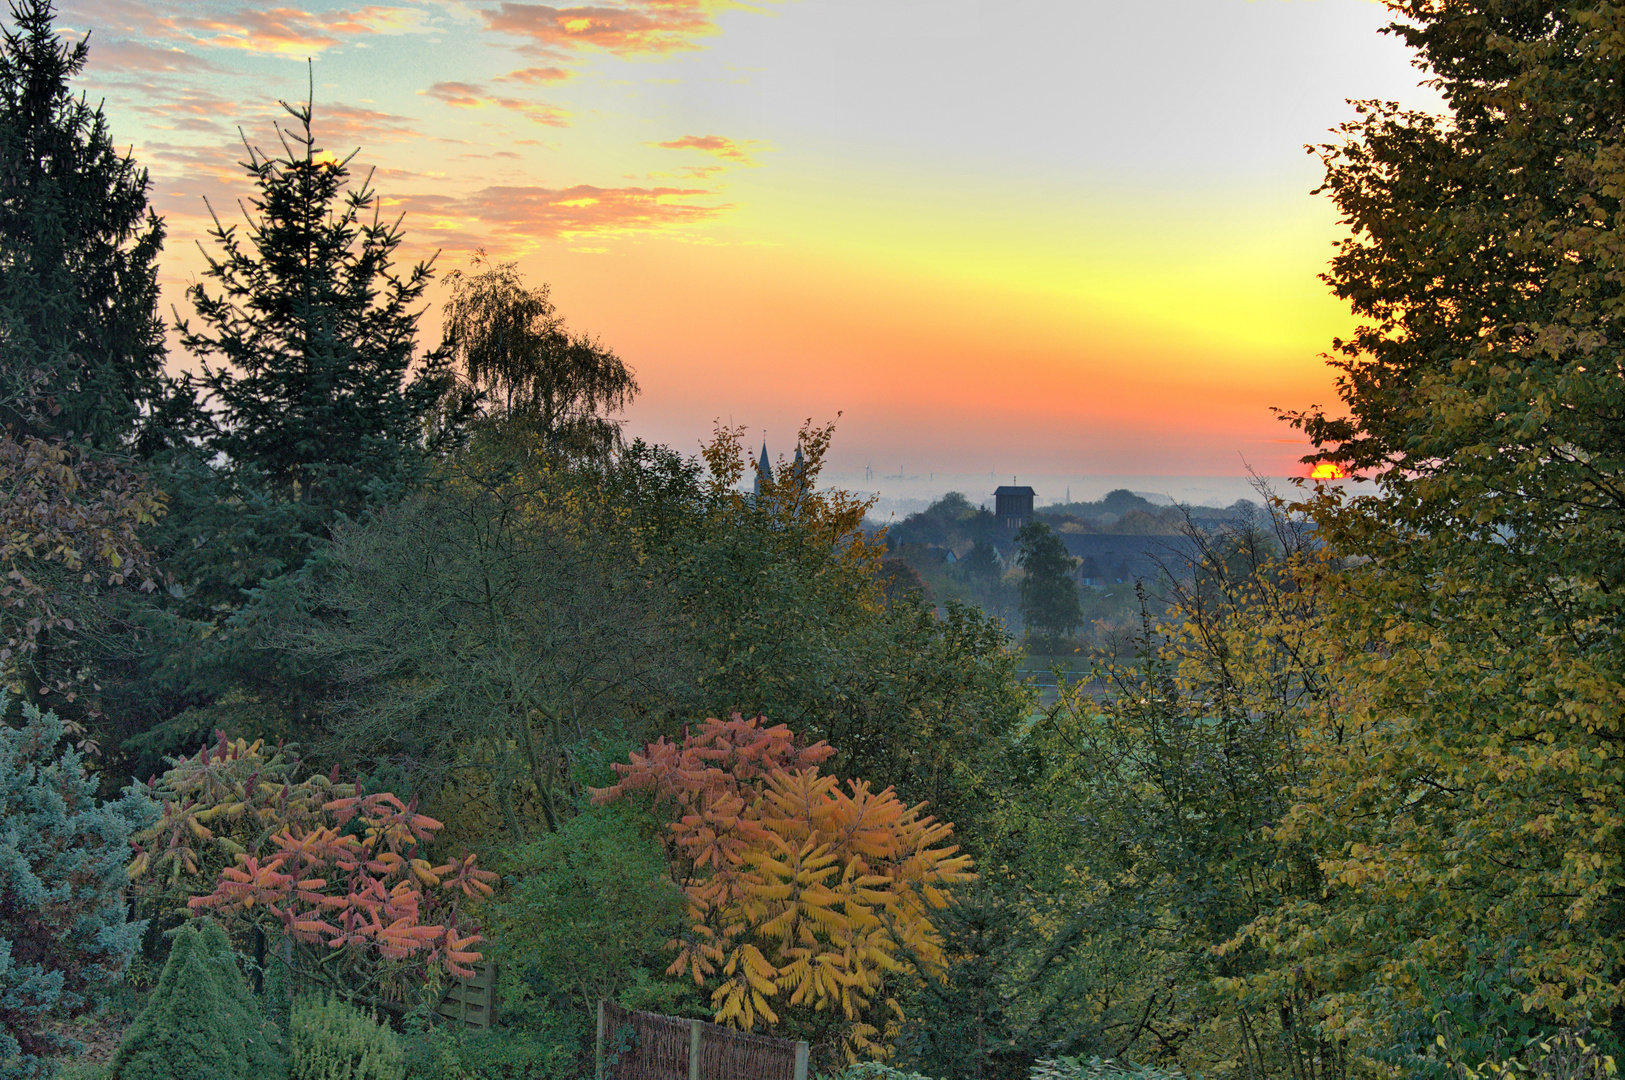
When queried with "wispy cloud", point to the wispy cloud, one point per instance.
{"points": [[189, 171], [179, 106], [536, 76], [134, 17], [460, 95], [120, 57], [291, 31], [352, 125], [720, 146], [510, 215], [632, 28]]}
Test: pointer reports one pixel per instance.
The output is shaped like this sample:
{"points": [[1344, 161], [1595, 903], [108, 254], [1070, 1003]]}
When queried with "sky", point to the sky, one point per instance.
{"points": [[1058, 238]]}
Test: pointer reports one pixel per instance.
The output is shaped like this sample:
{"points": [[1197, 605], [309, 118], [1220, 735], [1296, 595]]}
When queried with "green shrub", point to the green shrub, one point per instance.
{"points": [[201, 1022], [874, 1070], [1096, 1068], [583, 908], [444, 1053], [333, 1040]]}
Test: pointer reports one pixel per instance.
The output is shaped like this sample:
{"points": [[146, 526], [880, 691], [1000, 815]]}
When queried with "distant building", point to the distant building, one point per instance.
{"points": [[764, 470], [1013, 506]]}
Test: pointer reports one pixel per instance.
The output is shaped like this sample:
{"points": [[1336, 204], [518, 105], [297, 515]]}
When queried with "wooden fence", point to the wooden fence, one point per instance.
{"points": [[649, 1046], [471, 1001]]}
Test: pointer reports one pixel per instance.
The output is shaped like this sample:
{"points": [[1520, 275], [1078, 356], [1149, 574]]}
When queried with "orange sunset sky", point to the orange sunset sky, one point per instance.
{"points": [[1045, 237]]}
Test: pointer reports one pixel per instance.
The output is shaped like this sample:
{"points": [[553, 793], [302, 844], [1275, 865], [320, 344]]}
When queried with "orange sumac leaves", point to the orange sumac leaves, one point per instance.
{"points": [[335, 868], [801, 891]]}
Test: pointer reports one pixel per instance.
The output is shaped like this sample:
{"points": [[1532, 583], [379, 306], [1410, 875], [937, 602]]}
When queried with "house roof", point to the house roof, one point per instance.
{"points": [[1008, 490]]}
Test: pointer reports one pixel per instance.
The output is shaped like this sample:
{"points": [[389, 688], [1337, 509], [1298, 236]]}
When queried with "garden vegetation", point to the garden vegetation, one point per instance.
{"points": [[357, 663]]}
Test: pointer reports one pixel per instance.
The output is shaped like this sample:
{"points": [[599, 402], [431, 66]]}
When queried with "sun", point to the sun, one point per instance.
{"points": [[1327, 471]]}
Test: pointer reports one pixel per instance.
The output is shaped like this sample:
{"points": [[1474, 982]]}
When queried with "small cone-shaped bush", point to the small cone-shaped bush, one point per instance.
{"points": [[201, 1022], [333, 1040]]}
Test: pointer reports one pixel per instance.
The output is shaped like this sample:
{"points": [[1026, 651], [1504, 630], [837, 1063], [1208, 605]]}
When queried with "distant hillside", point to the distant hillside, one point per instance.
{"points": [[954, 523]]}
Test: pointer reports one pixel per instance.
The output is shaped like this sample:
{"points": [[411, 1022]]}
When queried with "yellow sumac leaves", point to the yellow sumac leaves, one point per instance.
{"points": [[802, 891]]}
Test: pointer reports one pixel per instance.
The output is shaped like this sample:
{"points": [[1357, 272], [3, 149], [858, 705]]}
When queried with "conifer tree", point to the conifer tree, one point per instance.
{"points": [[1049, 596], [81, 344], [201, 1023], [63, 927], [308, 339]]}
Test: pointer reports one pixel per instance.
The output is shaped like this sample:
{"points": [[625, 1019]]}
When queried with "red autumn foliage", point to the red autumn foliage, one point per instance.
{"points": [[333, 868], [368, 892]]}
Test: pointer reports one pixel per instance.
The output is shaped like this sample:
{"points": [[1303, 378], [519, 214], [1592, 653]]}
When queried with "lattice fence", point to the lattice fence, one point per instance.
{"points": [[648, 1046]]}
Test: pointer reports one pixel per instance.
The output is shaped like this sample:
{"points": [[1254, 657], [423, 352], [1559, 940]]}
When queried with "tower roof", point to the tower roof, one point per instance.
{"points": [[764, 469]]}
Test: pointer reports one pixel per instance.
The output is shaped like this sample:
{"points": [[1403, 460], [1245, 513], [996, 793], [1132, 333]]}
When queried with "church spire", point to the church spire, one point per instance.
{"points": [[764, 470]]}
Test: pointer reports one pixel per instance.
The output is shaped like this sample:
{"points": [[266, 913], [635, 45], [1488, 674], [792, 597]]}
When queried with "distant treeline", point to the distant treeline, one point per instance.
{"points": [[954, 522]]}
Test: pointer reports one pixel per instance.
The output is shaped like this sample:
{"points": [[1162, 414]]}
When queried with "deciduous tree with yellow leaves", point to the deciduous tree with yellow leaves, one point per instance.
{"points": [[1465, 786], [805, 896]]}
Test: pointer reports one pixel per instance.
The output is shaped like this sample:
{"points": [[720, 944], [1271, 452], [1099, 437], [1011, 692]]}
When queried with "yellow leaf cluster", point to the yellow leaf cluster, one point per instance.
{"points": [[802, 892]]}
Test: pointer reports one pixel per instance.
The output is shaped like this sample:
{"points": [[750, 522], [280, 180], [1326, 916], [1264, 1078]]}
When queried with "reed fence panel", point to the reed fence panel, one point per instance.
{"points": [[672, 1048]]}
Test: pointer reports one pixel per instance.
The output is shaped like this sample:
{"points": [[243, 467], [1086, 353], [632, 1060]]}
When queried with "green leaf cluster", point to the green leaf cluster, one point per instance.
{"points": [[330, 1039], [583, 909], [1462, 789]]}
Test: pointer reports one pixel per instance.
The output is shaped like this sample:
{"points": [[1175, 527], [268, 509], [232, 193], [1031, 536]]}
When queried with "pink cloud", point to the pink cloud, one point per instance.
{"points": [[352, 125], [535, 76], [716, 145], [189, 108], [135, 58], [637, 27], [292, 31], [502, 215], [114, 17], [458, 95]]}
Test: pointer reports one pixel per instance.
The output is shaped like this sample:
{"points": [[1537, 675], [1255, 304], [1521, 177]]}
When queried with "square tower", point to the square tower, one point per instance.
{"points": [[1013, 506]]}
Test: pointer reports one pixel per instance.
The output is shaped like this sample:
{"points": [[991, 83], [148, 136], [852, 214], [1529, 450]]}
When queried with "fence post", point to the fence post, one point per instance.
{"points": [[801, 1061], [695, 1027], [598, 1054]]}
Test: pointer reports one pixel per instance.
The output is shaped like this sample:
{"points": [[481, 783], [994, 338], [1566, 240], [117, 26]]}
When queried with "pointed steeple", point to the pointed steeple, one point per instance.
{"points": [[764, 469]]}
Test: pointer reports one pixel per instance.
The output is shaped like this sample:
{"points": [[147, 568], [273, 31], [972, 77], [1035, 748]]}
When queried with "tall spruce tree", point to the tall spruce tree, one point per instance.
{"points": [[81, 344], [316, 407], [308, 339]]}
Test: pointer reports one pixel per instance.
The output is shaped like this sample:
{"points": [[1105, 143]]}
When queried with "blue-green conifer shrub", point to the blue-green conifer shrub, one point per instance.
{"points": [[201, 1023], [333, 1040], [63, 926]]}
